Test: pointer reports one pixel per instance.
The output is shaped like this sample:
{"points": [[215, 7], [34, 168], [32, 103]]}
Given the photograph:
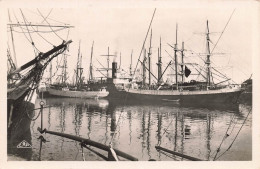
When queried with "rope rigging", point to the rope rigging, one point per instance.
{"points": [[215, 158], [49, 24], [31, 42], [223, 31], [35, 31], [224, 137], [48, 17], [29, 34], [34, 75], [44, 19]]}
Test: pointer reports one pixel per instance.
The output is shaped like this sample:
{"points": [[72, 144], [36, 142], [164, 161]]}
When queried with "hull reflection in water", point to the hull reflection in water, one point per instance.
{"points": [[138, 128], [98, 103]]}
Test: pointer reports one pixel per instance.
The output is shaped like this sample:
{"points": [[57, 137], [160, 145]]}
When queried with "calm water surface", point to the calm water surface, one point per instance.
{"points": [[136, 129]]}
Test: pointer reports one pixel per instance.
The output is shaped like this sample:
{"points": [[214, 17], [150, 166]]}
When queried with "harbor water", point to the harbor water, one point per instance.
{"points": [[206, 133]]}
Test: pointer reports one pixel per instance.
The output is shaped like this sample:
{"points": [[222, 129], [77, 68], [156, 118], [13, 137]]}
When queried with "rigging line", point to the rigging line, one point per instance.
{"points": [[100, 71], [44, 19], [224, 137], [233, 127], [27, 27], [57, 67], [144, 41], [68, 34], [200, 71], [33, 31], [134, 71], [222, 74], [11, 29], [219, 75], [236, 135], [49, 25], [212, 67], [29, 33], [23, 31], [223, 31], [100, 63], [42, 37], [49, 18]]}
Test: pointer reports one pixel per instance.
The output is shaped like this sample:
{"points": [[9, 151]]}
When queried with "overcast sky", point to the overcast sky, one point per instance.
{"points": [[123, 29]]}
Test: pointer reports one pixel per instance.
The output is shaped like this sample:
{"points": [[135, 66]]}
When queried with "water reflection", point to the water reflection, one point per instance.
{"points": [[138, 128]]}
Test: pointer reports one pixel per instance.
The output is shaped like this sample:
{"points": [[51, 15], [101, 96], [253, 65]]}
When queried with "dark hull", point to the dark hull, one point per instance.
{"points": [[246, 97], [55, 93], [19, 130], [199, 99]]}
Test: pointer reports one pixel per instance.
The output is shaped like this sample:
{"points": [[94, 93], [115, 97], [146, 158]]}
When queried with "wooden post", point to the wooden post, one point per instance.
{"points": [[90, 142], [178, 154]]}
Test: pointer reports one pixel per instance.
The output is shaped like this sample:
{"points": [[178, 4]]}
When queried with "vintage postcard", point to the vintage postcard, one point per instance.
{"points": [[152, 82]]}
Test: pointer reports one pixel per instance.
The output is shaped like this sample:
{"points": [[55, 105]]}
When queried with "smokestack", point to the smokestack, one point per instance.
{"points": [[114, 69]]}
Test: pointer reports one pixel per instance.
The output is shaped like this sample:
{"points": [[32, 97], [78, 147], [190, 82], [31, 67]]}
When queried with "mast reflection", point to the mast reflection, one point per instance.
{"points": [[186, 130]]}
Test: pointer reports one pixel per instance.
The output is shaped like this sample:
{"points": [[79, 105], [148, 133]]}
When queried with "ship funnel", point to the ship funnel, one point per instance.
{"points": [[114, 69]]}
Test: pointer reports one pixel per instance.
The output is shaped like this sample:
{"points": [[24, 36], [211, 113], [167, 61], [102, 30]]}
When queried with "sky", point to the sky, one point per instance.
{"points": [[123, 29]]}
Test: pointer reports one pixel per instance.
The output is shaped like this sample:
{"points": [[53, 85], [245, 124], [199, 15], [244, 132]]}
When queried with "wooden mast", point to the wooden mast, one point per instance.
{"points": [[144, 68], [79, 70], [176, 60], [108, 55], [149, 58], [159, 63], [208, 56], [182, 61], [131, 63], [108, 61], [11, 30], [90, 65], [64, 71]]}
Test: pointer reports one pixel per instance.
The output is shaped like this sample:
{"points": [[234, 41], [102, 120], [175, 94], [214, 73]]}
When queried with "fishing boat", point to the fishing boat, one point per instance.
{"points": [[195, 92], [77, 90]]}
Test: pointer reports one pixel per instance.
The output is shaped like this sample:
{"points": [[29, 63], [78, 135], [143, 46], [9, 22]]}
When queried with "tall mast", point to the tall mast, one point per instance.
{"points": [[149, 58], [176, 59], [64, 71], [182, 61], [131, 63], [108, 55], [90, 65], [208, 57], [107, 61], [79, 70], [144, 69], [160, 63], [77, 65], [11, 30]]}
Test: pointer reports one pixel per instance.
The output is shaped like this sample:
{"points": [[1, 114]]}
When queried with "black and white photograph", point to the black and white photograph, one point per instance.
{"points": [[151, 81]]}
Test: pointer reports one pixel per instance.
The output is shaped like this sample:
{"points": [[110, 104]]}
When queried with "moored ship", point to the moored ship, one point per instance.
{"points": [[77, 90], [203, 92]]}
